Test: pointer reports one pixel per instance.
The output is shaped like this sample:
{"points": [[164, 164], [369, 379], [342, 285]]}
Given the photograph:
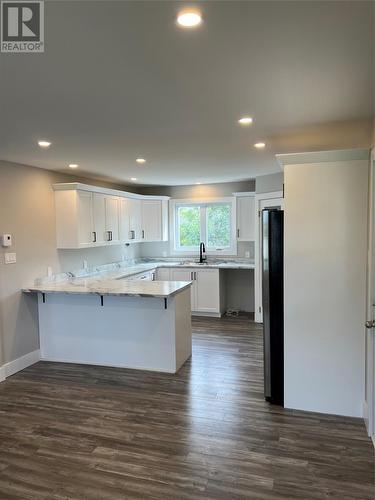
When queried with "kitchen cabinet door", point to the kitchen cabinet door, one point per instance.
{"points": [[151, 220], [185, 275], [246, 218], [207, 290], [163, 274], [85, 220], [135, 219], [98, 211], [112, 223], [125, 236]]}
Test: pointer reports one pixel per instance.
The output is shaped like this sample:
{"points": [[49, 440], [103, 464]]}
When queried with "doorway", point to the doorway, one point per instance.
{"points": [[369, 404], [262, 201]]}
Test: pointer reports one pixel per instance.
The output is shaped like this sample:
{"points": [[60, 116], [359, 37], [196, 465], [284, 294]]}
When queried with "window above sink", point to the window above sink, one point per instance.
{"points": [[211, 221]]}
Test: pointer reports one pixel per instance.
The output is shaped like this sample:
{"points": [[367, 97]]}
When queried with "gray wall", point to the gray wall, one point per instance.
{"points": [[269, 183], [200, 191], [27, 212]]}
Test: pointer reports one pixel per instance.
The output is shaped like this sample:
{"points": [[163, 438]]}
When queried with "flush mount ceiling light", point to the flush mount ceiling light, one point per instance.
{"points": [[260, 145], [73, 165], [189, 18], [198, 183], [133, 179], [245, 120], [140, 160], [44, 144]]}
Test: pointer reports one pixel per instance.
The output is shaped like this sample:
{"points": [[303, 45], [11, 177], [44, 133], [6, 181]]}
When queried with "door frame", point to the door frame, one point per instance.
{"points": [[258, 314], [369, 403]]}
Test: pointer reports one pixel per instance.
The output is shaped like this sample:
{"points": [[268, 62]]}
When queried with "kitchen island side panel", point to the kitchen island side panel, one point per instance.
{"points": [[129, 332]]}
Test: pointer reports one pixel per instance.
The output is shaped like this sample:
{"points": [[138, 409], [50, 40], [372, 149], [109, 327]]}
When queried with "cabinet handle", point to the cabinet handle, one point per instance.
{"points": [[191, 275], [143, 234], [109, 235], [94, 234], [132, 234], [238, 233], [195, 275]]}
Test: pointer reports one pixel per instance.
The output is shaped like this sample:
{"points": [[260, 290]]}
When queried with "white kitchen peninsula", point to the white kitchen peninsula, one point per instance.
{"points": [[128, 324]]}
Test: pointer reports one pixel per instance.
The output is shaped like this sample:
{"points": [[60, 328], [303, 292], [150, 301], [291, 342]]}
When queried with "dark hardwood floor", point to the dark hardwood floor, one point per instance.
{"points": [[83, 432]]}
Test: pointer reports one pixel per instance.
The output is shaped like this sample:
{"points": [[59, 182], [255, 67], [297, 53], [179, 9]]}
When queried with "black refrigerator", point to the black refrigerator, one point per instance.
{"points": [[273, 304]]}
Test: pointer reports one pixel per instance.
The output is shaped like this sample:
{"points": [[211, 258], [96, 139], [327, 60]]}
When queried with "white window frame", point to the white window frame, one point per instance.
{"points": [[174, 204]]}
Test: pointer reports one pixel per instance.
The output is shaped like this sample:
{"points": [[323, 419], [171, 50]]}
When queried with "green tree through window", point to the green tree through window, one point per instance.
{"points": [[218, 226], [189, 221]]}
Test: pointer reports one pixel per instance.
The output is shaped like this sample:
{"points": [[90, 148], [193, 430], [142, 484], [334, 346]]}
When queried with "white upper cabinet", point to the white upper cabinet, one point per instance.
{"points": [[125, 235], [74, 219], [112, 219], [245, 217], [87, 216], [154, 220], [98, 211], [106, 219], [135, 219], [85, 219]]}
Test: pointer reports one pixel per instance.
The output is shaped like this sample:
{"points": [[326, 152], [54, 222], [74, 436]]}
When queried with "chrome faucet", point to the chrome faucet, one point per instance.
{"points": [[202, 250]]}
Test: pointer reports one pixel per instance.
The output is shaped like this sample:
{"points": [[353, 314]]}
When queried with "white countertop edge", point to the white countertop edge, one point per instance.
{"points": [[180, 286]]}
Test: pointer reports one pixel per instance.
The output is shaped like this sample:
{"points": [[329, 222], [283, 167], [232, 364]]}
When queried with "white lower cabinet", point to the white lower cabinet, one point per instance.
{"points": [[146, 276], [163, 274], [181, 274], [207, 291]]}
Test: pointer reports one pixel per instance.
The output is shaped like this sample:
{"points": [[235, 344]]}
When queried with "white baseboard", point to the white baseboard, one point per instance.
{"points": [[20, 363]]}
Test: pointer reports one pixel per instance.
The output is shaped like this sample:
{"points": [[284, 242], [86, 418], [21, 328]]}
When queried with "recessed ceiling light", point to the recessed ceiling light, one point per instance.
{"points": [[133, 179], [73, 165], [198, 183], [44, 144], [140, 160], [260, 145], [245, 120], [189, 18]]}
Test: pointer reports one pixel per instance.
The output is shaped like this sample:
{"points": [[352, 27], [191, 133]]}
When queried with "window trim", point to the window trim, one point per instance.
{"points": [[173, 206]]}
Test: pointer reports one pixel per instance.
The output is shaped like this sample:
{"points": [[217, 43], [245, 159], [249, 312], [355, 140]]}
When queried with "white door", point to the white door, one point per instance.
{"points": [[112, 212], [151, 220], [207, 290], [266, 200], [135, 219], [369, 406], [245, 218], [186, 275], [85, 226], [98, 210]]}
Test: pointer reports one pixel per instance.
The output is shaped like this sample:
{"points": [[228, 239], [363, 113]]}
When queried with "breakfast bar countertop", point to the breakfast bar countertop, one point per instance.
{"points": [[115, 287]]}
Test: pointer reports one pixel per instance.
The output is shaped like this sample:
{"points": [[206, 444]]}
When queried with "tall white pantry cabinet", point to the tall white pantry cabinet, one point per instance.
{"points": [[88, 216]]}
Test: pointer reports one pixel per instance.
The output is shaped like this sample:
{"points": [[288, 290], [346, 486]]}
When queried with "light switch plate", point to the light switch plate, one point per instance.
{"points": [[10, 258], [247, 255]]}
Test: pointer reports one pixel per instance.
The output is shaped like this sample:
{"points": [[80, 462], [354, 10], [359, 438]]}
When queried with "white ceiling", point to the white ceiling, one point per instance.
{"points": [[119, 80]]}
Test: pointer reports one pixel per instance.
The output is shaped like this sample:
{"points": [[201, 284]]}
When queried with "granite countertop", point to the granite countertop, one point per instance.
{"points": [[122, 288], [111, 279]]}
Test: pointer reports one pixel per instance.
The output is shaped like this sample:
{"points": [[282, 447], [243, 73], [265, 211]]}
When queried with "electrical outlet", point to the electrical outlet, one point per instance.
{"points": [[10, 258]]}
